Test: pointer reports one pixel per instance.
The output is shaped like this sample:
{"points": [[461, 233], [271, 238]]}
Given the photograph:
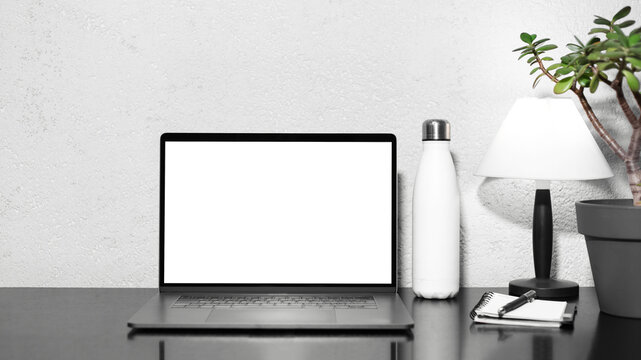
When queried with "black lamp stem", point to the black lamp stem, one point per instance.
{"points": [[542, 234]]}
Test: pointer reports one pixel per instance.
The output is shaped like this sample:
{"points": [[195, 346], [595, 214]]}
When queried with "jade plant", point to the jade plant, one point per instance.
{"points": [[611, 57]]}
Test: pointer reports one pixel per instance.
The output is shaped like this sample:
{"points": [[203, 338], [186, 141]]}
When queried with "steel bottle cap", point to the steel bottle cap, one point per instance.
{"points": [[436, 129]]}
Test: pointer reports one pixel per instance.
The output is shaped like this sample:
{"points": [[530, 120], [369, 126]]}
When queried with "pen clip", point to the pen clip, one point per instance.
{"points": [[530, 295]]}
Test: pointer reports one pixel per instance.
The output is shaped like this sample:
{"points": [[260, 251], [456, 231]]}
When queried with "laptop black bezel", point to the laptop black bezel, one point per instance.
{"points": [[278, 288]]}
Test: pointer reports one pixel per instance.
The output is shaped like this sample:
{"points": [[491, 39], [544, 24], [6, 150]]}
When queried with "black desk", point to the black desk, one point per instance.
{"points": [[48, 323]]}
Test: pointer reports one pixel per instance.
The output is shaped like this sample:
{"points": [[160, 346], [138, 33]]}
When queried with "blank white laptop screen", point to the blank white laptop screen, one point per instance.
{"points": [[268, 212]]}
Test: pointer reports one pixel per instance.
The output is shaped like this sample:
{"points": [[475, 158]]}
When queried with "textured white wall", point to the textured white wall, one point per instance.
{"points": [[86, 89]]}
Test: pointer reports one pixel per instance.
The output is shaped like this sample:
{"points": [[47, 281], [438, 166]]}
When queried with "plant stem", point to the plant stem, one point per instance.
{"points": [[633, 166], [623, 102], [637, 97], [635, 179], [542, 67], [609, 140], [634, 150]]}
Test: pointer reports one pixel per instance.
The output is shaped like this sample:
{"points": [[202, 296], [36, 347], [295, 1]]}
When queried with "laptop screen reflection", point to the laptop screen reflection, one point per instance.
{"points": [[269, 346]]}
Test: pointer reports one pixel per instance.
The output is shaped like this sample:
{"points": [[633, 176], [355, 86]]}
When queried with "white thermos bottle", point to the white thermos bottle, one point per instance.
{"points": [[435, 217]]}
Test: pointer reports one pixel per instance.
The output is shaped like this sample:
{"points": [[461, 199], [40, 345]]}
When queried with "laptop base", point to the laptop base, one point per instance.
{"points": [[158, 313]]}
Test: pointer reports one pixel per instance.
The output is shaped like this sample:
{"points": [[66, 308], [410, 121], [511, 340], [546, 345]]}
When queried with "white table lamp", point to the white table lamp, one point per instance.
{"points": [[543, 140]]}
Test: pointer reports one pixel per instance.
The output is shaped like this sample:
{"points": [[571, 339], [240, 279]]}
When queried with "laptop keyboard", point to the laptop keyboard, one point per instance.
{"points": [[275, 301]]}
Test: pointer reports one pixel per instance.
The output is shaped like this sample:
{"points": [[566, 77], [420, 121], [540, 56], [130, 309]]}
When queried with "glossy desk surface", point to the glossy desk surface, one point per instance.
{"points": [[54, 323]]}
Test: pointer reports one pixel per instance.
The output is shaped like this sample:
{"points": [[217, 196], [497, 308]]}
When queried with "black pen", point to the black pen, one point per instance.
{"points": [[513, 305]]}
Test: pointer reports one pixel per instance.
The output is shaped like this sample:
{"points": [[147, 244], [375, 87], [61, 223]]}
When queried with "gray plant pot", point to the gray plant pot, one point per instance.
{"points": [[612, 230]]}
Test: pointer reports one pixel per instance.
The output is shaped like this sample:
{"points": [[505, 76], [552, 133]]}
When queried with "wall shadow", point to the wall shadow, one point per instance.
{"points": [[402, 237], [463, 224]]}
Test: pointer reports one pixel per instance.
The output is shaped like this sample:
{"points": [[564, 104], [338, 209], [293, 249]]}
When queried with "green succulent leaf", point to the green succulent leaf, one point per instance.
{"points": [[594, 40], [594, 84], [621, 13], [614, 54], [531, 60], [607, 44], [563, 71], [568, 59], [564, 85], [574, 47], [602, 66], [601, 21], [581, 71], [626, 23], [547, 47], [524, 55], [633, 82], [539, 42], [521, 48], [579, 41], [536, 80], [534, 70], [612, 36], [526, 37], [578, 60], [634, 61], [634, 39], [595, 56], [554, 66], [547, 58], [598, 30], [636, 31], [584, 80]]}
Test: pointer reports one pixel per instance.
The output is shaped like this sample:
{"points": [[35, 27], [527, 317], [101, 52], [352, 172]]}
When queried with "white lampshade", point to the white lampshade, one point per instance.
{"points": [[544, 139]]}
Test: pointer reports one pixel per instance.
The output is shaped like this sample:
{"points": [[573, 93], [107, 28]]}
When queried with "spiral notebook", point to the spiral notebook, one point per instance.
{"points": [[538, 313]]}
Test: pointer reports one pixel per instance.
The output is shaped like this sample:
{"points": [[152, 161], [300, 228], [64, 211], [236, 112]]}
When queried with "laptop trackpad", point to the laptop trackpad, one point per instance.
{"points": [[272, 316]]}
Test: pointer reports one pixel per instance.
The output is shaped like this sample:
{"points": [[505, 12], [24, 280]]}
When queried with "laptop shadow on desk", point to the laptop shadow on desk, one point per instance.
{"points": [[269, 344]]}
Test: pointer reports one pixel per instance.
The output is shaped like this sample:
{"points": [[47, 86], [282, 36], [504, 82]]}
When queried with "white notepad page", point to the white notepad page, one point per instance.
{"points": [[540, 310]]}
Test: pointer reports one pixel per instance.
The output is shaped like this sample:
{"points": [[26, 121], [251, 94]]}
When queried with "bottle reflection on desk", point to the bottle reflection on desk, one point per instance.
{"points": [[542, 347], [442, 342]]}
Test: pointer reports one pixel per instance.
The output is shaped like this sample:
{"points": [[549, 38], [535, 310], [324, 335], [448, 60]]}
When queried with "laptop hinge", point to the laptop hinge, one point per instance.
{"points": [[278, 289]]}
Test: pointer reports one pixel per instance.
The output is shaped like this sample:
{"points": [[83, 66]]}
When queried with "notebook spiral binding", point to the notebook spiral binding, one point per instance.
{"points": [[484, 300]]}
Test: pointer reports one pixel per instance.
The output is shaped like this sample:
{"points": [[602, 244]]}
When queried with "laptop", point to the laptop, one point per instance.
{"points": [[277, 231]]}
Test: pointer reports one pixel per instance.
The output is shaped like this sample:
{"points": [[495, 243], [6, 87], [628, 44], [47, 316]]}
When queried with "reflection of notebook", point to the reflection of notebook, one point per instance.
{"points": [[539, 313]]}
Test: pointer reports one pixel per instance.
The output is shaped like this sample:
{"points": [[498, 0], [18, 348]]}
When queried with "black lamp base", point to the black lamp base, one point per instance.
{"points": [[545, 288]]}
